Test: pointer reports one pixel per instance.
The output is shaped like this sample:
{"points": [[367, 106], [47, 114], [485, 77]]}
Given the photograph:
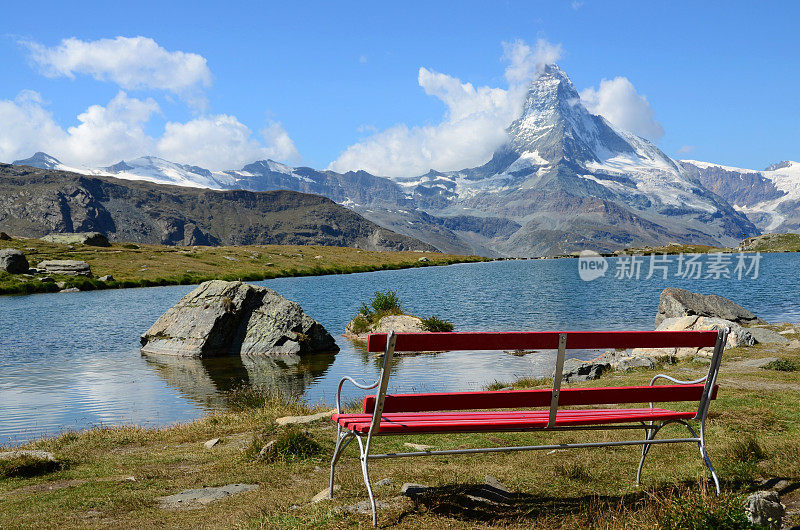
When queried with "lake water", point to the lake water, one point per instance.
{"points": [[71, 361]]}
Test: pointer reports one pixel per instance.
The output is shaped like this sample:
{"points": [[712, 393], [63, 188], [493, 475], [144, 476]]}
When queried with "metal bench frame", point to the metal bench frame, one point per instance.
{"points": [[651, 428]]}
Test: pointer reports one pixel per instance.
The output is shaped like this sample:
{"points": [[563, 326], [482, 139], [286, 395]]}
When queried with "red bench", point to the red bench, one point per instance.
{"points": [[453, 412]]}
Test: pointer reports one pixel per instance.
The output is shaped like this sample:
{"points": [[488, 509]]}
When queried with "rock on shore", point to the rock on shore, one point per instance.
{"points": [[95, 239], [676, 302], [229, 318], [13, 261], [396, 323], [71, 267]]}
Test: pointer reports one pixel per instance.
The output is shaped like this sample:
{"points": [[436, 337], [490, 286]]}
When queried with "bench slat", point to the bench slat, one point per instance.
{"points": [[506, 399], [544, 340], [502, 421]]}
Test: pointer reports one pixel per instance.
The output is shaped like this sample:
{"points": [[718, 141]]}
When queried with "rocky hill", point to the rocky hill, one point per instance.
{"points": [[35, 202]]}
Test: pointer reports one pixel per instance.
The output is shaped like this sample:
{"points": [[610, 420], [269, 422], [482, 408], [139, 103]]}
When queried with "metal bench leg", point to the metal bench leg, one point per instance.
{"points": [[649, 435], [342, 441], [365, 472], [702, 445]]}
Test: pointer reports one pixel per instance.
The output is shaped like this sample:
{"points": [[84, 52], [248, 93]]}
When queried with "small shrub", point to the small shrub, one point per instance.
{"points": [[361, 324], [699, 511], [747, 449], [133, 246], [782, 365], [253, 397], [387, 303], [434, 323], [291, 444], [573, 470]]}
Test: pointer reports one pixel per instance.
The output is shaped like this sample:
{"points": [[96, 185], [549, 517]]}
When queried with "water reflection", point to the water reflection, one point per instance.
{"points": [[207, 381]]}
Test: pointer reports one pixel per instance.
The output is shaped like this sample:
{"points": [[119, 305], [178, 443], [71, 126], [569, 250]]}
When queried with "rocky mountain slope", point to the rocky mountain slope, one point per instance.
{"points": [[35, 202], [565, 180], [770, 198]]}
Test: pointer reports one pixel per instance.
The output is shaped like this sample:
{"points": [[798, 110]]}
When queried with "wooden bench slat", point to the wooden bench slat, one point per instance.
{"points": [[500, 399], [544, 340]]}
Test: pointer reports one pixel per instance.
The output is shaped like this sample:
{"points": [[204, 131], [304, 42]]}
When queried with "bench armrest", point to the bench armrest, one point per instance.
{"points": [[363, 386], [678, 381]]}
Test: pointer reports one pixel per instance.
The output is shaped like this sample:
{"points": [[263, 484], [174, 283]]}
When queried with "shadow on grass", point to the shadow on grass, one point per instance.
{"points": [[676, 503]]}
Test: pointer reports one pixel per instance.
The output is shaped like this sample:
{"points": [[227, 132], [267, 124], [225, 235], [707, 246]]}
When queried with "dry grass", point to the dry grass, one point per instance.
{"points": [[149, 265], [753, 435]]}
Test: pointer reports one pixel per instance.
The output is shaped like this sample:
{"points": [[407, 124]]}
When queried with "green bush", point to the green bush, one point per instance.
{"points": [[434, 323], [290, 444], [782, 365], [387, 303]]}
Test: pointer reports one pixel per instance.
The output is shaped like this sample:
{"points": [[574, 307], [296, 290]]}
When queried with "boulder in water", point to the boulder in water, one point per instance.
{"points": [[229, 318]]}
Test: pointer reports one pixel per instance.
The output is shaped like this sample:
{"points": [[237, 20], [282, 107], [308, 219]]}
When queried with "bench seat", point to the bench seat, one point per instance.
{"points": [[495, 421]]}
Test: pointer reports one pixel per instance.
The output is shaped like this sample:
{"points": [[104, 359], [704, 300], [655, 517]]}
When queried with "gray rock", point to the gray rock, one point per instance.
{"points": [[676, 302], [95, 239], [70, 290], [324, 494], [61, 285], [396, 323], [423, 259], [70, 267], [37, 455], [577, 370], [738, 336], [211, 443], [13, 261], [106, 278], [623, 360], [409, 489], [197, 498], [287, 420], [491, 481], [384, 482], [268, 448], [767, 336], [228, 318], [45, 279], [759, 363], [765, 508]]}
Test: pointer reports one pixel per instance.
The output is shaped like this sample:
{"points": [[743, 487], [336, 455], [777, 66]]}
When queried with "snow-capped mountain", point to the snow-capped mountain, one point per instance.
{"points": [[571, 180], [770, 198], [45, 161], [565, 180], [160, 171]]}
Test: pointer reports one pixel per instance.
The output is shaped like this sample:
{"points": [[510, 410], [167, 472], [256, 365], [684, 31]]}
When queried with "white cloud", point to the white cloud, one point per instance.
{"points": [[684, 149], [131, 62], [472, 128], [223, 142], [576, 5], [526, 62], [618, 102], [27, 127], [108, 134]]}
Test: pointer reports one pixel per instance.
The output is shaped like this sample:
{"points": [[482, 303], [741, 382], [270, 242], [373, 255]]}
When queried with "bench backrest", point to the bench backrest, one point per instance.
{"points": [[555, 396]]}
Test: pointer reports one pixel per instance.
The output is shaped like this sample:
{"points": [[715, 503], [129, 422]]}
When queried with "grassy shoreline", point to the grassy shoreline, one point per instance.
{"points": [[114, 476], [138, 265]]}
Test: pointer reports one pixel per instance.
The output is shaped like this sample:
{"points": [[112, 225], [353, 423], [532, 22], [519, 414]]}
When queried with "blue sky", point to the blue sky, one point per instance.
{"points": [[721, 79]]}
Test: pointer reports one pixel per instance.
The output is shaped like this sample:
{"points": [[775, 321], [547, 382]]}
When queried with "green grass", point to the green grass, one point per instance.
{"points": [[139, 265]]}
